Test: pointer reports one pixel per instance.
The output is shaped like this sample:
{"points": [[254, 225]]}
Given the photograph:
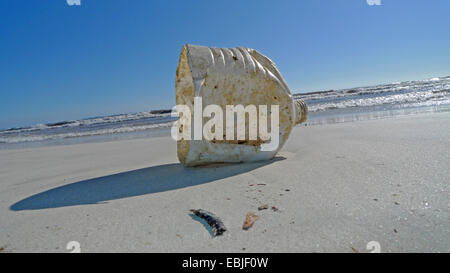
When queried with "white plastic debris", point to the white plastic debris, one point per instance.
{"points": [[231, 76]]}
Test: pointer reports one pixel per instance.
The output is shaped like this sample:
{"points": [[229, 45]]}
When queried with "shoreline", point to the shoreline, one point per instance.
{"points": [[314, 119], [337, 187]]}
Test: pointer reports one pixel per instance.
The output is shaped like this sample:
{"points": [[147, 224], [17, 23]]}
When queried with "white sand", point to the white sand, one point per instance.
{"points": [[350, 183]]}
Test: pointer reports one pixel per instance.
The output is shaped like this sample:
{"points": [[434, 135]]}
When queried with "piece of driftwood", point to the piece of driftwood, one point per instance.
{"points": [[213, 221]]}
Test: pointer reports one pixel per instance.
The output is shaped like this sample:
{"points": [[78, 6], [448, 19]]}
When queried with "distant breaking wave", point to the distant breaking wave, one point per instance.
{"points": [[433, 92], [27, 138], [115, 124], [91, 121], [411, 99]]}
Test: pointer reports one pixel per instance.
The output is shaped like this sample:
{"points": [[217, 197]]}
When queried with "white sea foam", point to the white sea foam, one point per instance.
{"points": [[28, 138], [91, 121], [434, 84], [416, 98]]}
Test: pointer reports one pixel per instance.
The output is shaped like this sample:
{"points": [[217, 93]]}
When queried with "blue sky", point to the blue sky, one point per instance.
{"points": [[61, 62]]}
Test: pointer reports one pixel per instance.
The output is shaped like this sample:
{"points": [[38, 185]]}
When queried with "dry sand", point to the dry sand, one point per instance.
{"points": [[337, 187]]}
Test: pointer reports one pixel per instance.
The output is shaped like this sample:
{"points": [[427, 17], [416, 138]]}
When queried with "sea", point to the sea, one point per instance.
{"points": [[325, 107]]}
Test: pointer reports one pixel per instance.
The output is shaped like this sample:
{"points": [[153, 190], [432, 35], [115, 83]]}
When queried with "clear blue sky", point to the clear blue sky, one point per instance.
{"points": [[61, 62]]}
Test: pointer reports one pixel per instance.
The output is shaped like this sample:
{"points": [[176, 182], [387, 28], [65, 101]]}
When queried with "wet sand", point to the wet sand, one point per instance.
{"points": [[335, 188]]}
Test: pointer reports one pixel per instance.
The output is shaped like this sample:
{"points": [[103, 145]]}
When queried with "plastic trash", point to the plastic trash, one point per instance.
{"points": [[231, 77]]}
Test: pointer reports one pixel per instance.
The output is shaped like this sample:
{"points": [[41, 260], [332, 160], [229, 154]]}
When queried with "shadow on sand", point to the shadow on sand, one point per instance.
{"points": [[133, 183]]}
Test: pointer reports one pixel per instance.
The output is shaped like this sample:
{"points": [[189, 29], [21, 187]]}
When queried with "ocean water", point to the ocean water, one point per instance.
{"points": [[346, 105], [380, 101]]}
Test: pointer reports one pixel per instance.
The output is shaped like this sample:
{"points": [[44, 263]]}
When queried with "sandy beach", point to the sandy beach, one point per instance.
{"points": [[334, 188]]}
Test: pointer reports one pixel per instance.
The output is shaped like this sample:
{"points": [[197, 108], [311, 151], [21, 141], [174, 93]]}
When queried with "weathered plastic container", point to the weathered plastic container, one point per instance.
{"points": [[232, 76]]}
